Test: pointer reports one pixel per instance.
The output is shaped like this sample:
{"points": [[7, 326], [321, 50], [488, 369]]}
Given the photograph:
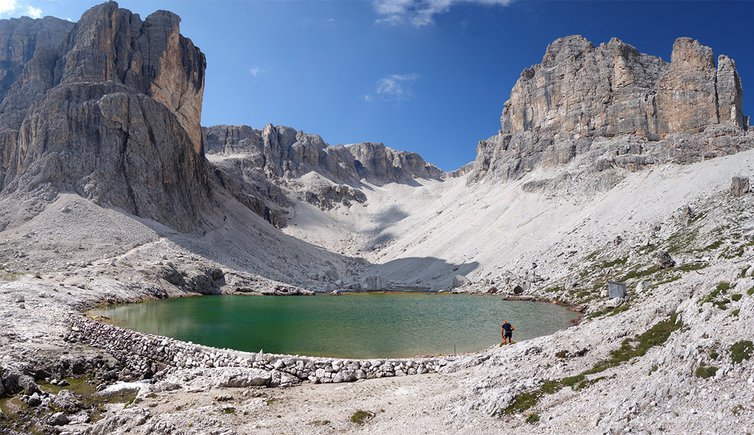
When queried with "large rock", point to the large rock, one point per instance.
{"points": [[108, 108], [66, 401], [241, 378], [611, 106], [739, 186], [58, 419]]}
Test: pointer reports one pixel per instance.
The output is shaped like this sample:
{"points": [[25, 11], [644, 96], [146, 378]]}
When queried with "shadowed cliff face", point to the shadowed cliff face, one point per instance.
{"points": [[108, 108], [616, 107]]}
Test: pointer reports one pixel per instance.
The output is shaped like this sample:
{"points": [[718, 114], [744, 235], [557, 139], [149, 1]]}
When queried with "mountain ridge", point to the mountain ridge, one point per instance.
{"points": [[108, 197], [611, 106]]}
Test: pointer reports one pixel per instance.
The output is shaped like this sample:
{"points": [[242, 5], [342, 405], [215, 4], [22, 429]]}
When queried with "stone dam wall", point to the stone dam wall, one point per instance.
{"points": [[151, 355]]}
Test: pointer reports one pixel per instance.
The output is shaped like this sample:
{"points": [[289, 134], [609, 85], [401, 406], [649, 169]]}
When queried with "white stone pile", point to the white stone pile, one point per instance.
{"points": [[148, 355]]}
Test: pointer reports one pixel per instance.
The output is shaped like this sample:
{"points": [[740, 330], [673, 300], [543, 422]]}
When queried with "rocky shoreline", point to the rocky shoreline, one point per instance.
{"points": [[153, 355]]}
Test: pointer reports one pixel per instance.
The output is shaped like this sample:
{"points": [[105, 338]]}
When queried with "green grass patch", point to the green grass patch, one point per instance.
{"points": [[617, 262], [9, 276], [689, 267], [229, 410], [80, 386], [319, 423], [85, 389], [524, 401], [742, 273], [592, 256], [653, 369], [554, 289], [750, 291], [668, 279], [722, 304], [733, 252], [740, 351], [16, 415], [532, 418], [705, 372], [714, 355], [610, 311], [638, 346], [361, 416], [630, 348], [735, 312], [721, 288], [712, 246], [641, 273], [681, 240], [736, 297], [619, 309]]}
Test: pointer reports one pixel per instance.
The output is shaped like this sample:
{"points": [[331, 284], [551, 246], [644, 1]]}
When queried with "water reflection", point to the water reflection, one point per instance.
{"points": [[357, 325]]}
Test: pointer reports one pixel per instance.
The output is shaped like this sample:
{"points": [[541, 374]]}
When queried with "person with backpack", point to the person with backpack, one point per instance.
{"points": [[506, 329]]}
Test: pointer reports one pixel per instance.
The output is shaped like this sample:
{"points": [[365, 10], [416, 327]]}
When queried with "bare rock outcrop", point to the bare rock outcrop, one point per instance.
{"points": [[280, 151], [257, 165], [108, 108], [611, 106]]}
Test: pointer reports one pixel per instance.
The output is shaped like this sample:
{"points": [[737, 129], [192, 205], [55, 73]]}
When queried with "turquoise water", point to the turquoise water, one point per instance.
{"points": [[361, 325]]}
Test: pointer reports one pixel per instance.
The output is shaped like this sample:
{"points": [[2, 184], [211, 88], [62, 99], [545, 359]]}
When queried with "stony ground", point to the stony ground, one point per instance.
{"points": [[660, 390], [674, 357]]}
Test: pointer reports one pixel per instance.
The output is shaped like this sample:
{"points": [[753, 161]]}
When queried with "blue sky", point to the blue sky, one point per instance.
{"points": [[429, 76]]}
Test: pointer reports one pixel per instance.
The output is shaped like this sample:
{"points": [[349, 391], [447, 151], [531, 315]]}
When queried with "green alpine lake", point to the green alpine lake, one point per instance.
{"points": [[356, 325]]}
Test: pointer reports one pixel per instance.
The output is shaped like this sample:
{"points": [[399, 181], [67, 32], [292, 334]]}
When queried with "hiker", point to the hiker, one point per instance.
{"points": [[506, 329]]}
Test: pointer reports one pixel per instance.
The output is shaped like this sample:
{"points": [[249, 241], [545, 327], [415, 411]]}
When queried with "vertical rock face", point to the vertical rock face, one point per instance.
{"points": [[686, 94], [108, 108], [580, 89], [729, 93], [613, 106]]}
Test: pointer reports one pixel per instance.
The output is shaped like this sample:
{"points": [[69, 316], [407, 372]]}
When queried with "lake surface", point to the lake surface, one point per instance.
{"points": [[360, 325]]}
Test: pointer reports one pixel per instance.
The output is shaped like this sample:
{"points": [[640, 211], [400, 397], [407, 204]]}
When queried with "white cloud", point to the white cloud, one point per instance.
{"points": [[395, 87], [33, 12], [420, 12], [7, 7], [257, 70], [12, 8]]}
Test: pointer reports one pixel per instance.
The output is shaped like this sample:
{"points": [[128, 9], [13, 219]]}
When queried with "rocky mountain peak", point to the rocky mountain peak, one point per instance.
{"points": [[112, 44], [566, 49], [109, 108], [612, 106], [284, 152], [255, 166], [689, 54]]}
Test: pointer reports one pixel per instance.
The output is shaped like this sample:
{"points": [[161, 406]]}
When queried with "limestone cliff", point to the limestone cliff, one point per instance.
{"points": [[612, 106], [255, 165], [108, 108], [281, 151]]}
